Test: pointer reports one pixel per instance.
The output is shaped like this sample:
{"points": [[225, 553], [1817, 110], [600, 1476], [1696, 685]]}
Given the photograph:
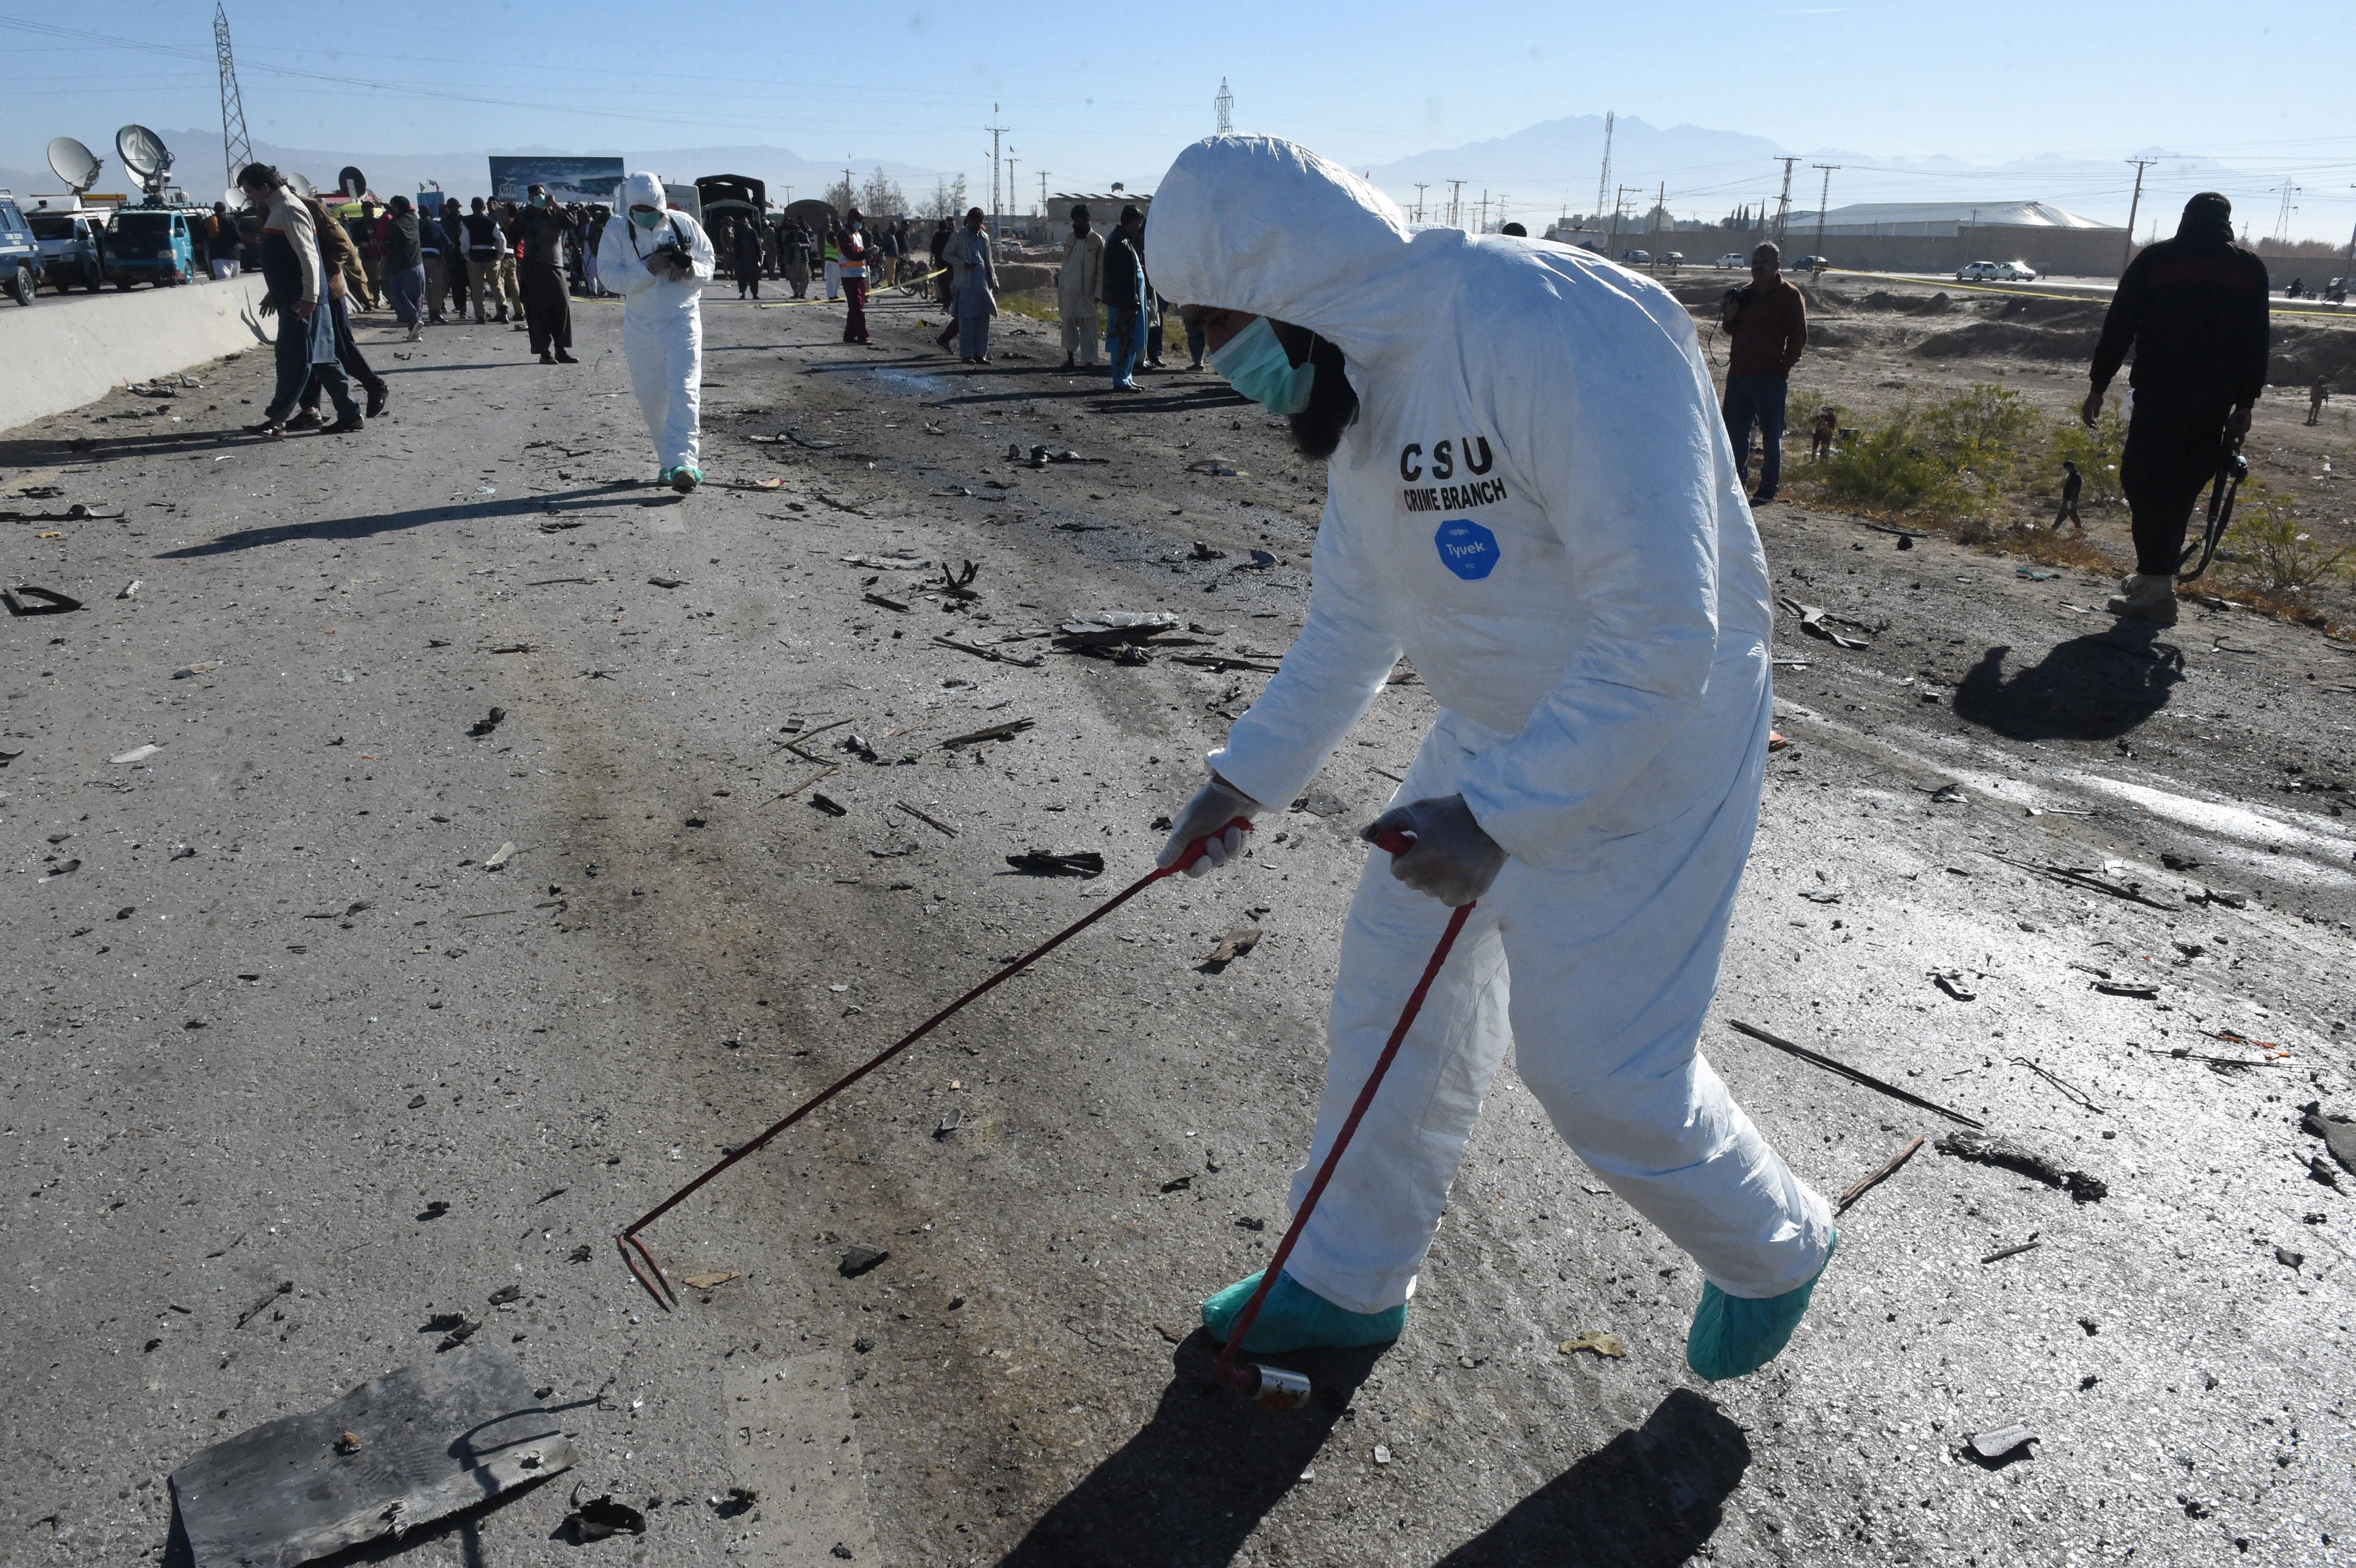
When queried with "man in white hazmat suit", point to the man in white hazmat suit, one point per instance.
{"points": [[657, 261], [1532, 496]]}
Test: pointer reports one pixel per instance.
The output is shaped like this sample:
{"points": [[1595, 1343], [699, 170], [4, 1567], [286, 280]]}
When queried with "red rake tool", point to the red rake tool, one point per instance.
{"points": [[629, 1243], [1273, 1388]]}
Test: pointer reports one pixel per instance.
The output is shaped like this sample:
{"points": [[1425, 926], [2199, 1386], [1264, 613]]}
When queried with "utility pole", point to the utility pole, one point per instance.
{"points": [[237, 148], [850, 186], [1501, 209], [1784, 202], [1043, 196], [1660, 206], [995, 131], [1456, 204], [1619, 199], [1603, 178], [1822, 200], [1225, 106], [2133, 205], [1419, 185], [1481, 223], [1010, 188]]}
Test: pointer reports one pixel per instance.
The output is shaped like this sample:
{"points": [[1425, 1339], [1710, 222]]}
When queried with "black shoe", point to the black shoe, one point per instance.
{"points": [[273, 429], [546, 358], [376, 401], [346, 425], [564, 358], [1761, 498], [307, 420]]}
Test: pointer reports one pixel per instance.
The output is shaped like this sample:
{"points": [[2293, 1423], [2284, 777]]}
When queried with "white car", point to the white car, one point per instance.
{"points": [[1996, 271], [1734, 259]]}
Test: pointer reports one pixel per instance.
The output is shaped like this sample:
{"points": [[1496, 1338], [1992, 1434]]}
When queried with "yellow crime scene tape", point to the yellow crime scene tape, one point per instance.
{"points": [[790, 305]]}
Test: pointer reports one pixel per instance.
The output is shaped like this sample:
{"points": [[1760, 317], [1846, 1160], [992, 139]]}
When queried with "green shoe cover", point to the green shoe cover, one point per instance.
{"points": [[1733, 1336], [662, 476], [1295, 1318]]}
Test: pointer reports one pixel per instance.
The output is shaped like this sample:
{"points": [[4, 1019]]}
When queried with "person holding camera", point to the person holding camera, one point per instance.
{"points": [[658, 259], [1768, 322]]}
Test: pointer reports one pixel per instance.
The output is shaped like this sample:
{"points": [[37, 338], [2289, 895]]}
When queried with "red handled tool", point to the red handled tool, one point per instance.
{"points": [[1273, 1388], [627, 1241]]}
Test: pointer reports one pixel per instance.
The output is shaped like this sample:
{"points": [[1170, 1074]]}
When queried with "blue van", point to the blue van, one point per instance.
{"points": [[149, 245], [20, 252]]}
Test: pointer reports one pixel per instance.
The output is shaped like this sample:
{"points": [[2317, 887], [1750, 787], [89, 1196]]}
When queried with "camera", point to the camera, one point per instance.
{"points": [[669, 255]]}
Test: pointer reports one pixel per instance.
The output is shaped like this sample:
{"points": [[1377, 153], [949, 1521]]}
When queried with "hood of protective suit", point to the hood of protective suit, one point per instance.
{"points": [[642, 189], [1257, 224]]}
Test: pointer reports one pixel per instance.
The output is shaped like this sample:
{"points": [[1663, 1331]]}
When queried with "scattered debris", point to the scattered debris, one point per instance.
{"points": [[1596, 1341], [457, 1333], [927, 820], [2001, 1254], [2083, 876], [711, 1278], [191, 671], [828, 805], [442, 1436], [499, 857], [1819, 621], [62, 869], [660, 581], [1005, 731], [949, 1122], [1984, 1148], [2125, 988], [1951, 982], [489, 722], [2289, 1259], [993, 654], [2338, 1133], [137, 754], [131, 589], [1232, 946], [1864, 1185], [2035, 574], [24, 599], [1051, 863], [891, 563], [284, 1287], [1998, 1442], [1221, 467], [601, 1517], [1178, 1183], [1947, 794], [857, 1260], [1176, 1336], [2070, 1090], [1851, 1074], [877, 599]]}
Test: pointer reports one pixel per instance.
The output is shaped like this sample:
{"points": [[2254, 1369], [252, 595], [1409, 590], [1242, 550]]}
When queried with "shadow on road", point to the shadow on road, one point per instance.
{"points": [[421, 517], [2089, 688], [1648, 1499], [1192, 1486]]}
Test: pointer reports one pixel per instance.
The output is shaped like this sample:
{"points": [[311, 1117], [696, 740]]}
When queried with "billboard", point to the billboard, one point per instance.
{"points": [[567, 179]]}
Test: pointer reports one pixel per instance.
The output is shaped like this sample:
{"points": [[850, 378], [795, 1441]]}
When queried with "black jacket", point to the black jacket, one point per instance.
{"points": [[402, 250], [1123, 284], [542, 230], [2194, 310], [484, 241]]}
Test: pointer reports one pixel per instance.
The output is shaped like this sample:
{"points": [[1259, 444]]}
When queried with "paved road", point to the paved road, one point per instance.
{"points": [[284, 1005]]}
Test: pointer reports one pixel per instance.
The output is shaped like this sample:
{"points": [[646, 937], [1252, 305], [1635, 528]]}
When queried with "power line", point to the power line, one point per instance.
{"points": [[1824, 199]]}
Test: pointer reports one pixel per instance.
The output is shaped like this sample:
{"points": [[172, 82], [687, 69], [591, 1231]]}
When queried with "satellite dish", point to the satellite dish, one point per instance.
{"points": [[351, 182], [234, 199], [301, 184], [74, 163], [143, 153]]}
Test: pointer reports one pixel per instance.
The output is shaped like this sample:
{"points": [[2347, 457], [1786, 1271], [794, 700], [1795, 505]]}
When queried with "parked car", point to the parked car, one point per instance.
{"points": [[149, 245], [1812, 263], [73, 249], [1637, 258], [1734, 260], [1996, 271], [1672, 260], [20, 252]]}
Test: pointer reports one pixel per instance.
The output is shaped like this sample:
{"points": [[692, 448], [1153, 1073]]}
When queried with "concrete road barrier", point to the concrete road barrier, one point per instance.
{"points": [[66, 352]]}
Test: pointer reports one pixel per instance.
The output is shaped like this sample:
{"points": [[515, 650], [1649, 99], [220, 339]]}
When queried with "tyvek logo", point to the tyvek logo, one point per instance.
{"points": [[1467, 549]]}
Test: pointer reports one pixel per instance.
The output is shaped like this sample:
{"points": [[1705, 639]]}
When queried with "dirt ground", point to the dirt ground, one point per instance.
{"points": [[283, 1021]]}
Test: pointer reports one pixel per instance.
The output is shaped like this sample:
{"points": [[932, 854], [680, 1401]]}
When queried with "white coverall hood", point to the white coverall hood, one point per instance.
{"points": [[1538, 506], [640, 189]]}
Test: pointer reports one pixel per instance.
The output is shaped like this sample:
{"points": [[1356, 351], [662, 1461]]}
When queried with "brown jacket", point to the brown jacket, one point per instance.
{"points": [[338, 257], [1770, 330]]}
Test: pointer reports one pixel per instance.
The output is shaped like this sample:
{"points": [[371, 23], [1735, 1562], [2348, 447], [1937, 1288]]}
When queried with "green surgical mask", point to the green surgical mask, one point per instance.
{"points": [[1255, 364], [646, 219]]}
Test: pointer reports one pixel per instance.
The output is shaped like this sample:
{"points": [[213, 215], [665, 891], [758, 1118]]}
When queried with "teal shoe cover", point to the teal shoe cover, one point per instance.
{"points": [[1733, 1336], [1295, 1318], [662, 475]]}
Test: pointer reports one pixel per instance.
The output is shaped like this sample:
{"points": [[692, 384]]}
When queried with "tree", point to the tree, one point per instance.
{"points": [[948, 199], [882, 197], [841, 196]]}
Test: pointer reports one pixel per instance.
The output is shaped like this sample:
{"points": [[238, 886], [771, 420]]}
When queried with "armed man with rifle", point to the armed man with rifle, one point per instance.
{"points": [[2194, 310]]}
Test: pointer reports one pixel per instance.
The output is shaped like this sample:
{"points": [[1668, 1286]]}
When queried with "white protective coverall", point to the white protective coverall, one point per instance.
{"points": [[662, 318], [1538, 506]]}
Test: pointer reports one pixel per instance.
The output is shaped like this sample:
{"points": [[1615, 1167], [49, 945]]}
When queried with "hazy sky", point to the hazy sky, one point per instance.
{"points": [[1095, 93]]}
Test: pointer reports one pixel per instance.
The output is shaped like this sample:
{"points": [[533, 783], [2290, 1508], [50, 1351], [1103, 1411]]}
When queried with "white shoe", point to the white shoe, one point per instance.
{"points": [[2149, 599]]}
